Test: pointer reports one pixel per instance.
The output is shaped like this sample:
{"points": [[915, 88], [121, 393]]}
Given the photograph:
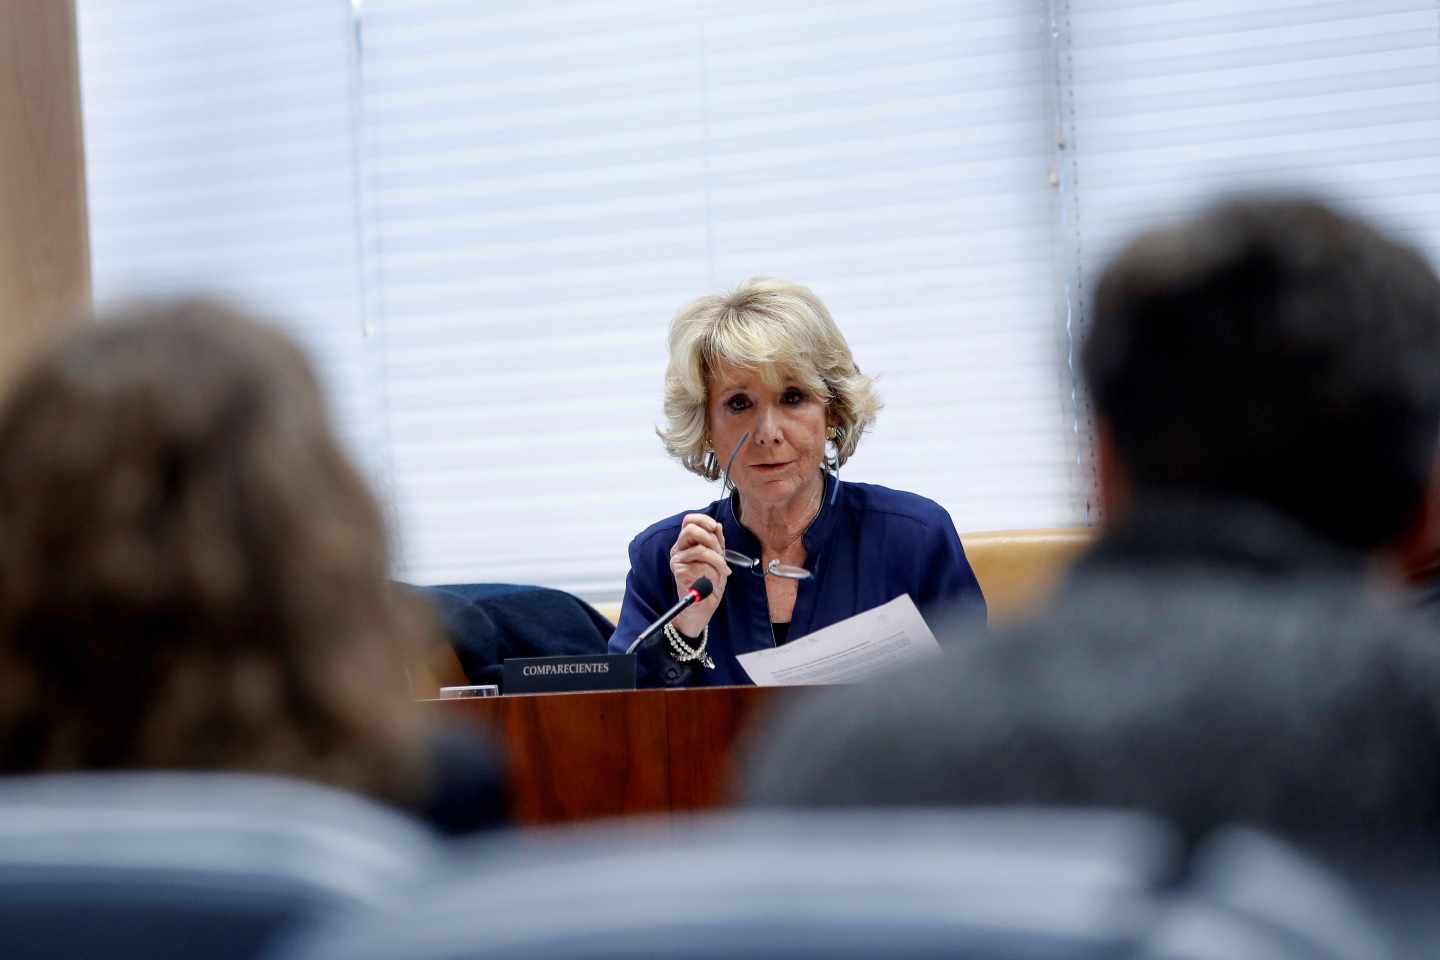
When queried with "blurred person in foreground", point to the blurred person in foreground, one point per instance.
{"points": [[193, 576], [764, 376], [1266, 380]]}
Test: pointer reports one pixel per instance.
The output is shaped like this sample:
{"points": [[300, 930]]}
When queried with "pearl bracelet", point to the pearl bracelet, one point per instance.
{"points": [[684, 652]]}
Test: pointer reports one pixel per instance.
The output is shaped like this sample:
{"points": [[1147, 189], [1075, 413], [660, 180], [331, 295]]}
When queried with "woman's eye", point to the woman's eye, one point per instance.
{"points": [[793, 396], [737, 403]]}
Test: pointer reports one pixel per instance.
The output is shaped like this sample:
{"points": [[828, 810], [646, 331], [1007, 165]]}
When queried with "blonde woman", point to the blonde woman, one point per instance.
{"points": [[762, 382]]}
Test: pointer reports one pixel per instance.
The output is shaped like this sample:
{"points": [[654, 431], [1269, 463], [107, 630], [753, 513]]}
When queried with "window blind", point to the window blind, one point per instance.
{"points": [[221, 156], [551, 183], [1166, 106], [481, 218], [1175, 103]]}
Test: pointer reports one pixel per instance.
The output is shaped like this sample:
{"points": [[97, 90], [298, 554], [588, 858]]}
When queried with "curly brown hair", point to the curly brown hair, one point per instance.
{"points": [[192, 573]]}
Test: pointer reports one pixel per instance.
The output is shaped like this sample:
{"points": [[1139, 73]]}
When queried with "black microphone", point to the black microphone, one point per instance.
{"points": [[698, 591]]}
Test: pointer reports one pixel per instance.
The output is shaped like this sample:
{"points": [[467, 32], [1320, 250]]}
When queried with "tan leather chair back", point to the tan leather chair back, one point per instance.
{"points": [[1018, 569]]}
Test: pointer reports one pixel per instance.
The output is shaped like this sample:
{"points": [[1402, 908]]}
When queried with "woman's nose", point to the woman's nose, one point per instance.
{"points": [[767, 427]]}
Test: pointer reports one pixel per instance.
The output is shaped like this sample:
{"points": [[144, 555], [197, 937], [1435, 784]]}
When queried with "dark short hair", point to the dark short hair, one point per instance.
{"points": [[192, 573], [1278, 350]]}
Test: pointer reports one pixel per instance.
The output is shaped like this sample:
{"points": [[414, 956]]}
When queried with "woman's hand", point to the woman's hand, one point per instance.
{"points": [[699, 551]]}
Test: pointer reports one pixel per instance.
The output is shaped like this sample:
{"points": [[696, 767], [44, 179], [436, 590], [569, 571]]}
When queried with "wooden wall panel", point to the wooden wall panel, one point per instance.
{"points": [[44, 246]]}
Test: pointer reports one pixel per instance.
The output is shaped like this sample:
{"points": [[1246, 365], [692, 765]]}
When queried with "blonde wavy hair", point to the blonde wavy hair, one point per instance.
{"points": [[774, 328]]}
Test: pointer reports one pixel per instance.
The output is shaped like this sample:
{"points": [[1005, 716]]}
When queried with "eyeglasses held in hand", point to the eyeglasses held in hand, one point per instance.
{"points": [[740, 561]]}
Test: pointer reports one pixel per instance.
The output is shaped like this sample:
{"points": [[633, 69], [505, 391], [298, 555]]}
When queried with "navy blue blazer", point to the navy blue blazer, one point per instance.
{"points": [[867, 548]]}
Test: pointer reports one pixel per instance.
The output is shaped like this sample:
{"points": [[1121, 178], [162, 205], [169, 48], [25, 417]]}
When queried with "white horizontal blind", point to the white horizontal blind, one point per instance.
{"points": [[220, 156], [1176, 102], [1167, 105], [517, 197], [548, 183]]}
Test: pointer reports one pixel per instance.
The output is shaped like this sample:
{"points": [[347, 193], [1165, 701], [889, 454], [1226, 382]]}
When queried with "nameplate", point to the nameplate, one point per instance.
{"points": [[606, 671]]}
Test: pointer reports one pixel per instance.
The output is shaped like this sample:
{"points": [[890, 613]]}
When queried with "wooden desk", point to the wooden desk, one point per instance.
{"points": [[577, 756]]}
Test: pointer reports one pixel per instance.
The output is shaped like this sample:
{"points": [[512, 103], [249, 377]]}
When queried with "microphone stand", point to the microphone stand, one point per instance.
{"points": [[698, 591]]}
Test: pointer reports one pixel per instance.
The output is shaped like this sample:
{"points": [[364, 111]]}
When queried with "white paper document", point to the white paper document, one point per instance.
{"points": [[849, 651]]}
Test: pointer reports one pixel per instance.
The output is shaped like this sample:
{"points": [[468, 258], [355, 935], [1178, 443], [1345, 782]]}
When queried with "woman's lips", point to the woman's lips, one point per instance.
{"points": [[770, 467]]}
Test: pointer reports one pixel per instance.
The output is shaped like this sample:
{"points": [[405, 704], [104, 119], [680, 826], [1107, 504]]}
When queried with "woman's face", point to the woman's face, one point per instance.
{"points": [[781, 460]]}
